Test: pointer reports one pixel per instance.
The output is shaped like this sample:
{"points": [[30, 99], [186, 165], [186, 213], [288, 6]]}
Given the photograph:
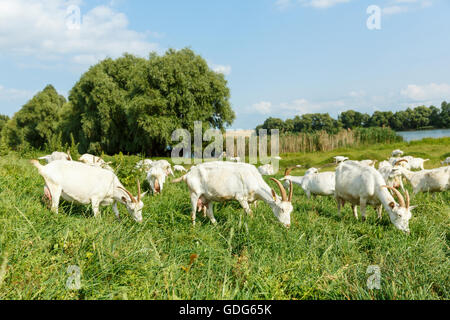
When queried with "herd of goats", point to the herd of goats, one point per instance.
{"points": [[91, 180]]}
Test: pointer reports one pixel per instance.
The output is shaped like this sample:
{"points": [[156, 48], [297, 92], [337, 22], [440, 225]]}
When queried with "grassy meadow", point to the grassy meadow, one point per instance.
{"points": [[322, 255]]}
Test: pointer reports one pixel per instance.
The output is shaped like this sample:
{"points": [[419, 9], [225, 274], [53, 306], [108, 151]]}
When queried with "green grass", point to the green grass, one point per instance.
{"points": [[322, 256]]}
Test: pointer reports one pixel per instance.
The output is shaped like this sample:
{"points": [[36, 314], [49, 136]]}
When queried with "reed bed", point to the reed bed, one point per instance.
{"points": [[321, 141]]}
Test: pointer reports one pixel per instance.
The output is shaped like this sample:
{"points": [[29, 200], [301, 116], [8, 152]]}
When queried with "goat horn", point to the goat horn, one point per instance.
{"points": [[291, 191], [129, 194], [401, 200], [69, 156], [287, 172], [402, 160], [407, 199], [282, 190], [139, 191]]}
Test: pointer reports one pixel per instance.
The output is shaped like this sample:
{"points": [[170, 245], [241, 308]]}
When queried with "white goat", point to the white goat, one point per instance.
{"points": [[266, 170], [222, 181], [446, 161], [77, 182], [384, 163], [363, 185], [339, 159], [179, 168], [315, 183], [288, 178], [156, 177], [144, 164], [411, 163], [397, 153], [434, 180], [392, 176], [95, 161], [163, 164], [57, 156]]}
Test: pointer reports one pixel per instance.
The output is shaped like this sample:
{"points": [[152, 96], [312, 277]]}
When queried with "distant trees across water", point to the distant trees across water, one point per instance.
{"points": [[419, 118]]}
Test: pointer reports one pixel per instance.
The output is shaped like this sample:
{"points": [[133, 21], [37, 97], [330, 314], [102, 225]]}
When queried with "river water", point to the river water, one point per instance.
{"points": [[419, 135]]}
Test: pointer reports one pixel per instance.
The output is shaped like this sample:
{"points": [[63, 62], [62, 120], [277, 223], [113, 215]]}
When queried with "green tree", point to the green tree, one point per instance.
{"points": [[3, 120], [353, 119], [400, 121], [445, 114], [273, 123], [435, 119], [381, 119], [133, 104], [36, 122]]}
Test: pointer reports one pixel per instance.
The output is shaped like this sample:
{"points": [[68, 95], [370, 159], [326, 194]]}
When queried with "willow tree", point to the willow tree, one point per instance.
{"points": [[133, 104], [36, 122]]}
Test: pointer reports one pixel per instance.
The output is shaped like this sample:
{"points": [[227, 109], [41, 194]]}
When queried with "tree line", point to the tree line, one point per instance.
{"points": [[130, 105], [418, 118]]}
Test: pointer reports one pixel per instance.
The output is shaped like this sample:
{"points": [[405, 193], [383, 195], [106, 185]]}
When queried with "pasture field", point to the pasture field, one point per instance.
{"points": [[322, 255]]}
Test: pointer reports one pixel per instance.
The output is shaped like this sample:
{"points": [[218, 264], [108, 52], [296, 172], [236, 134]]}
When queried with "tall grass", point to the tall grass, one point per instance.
{"points": [[322, 255], [323, 141]]}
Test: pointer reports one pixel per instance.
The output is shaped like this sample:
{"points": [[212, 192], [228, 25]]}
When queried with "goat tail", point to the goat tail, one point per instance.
{"points": [[36, 164], [183, 178]]}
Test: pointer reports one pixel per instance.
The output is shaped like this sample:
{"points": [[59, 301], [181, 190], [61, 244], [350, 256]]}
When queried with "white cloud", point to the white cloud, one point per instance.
{"points": [[263, 107], [401, 6], [357, 94], [283, 4], [429, 92], [39, 29], [394, 10], [295, 107], [226, 70], [11, 94], [323, 4]]}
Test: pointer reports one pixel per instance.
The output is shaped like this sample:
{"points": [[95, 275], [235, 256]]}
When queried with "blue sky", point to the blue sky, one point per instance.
{"points": [[281, 57]]}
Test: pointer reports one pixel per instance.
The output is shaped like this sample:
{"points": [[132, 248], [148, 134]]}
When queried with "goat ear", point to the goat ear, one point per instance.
{"points": [[274, 195], [392, 205], [412, 207], [143, 195]]}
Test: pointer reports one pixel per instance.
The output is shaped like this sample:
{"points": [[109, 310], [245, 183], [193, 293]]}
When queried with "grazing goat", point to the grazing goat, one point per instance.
{"points": [[294, 179], [95, 161], [77, 182], [384, 163], [339, 159], [363, 185], [266, 170], [416, 163], [165, 165], [222, 181], [411, 163], [156, 177], [446, 161], [145, 164], [392, 176], [57, 156], [315, 183], [434, 180], [179, 168], [397, 153]]}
